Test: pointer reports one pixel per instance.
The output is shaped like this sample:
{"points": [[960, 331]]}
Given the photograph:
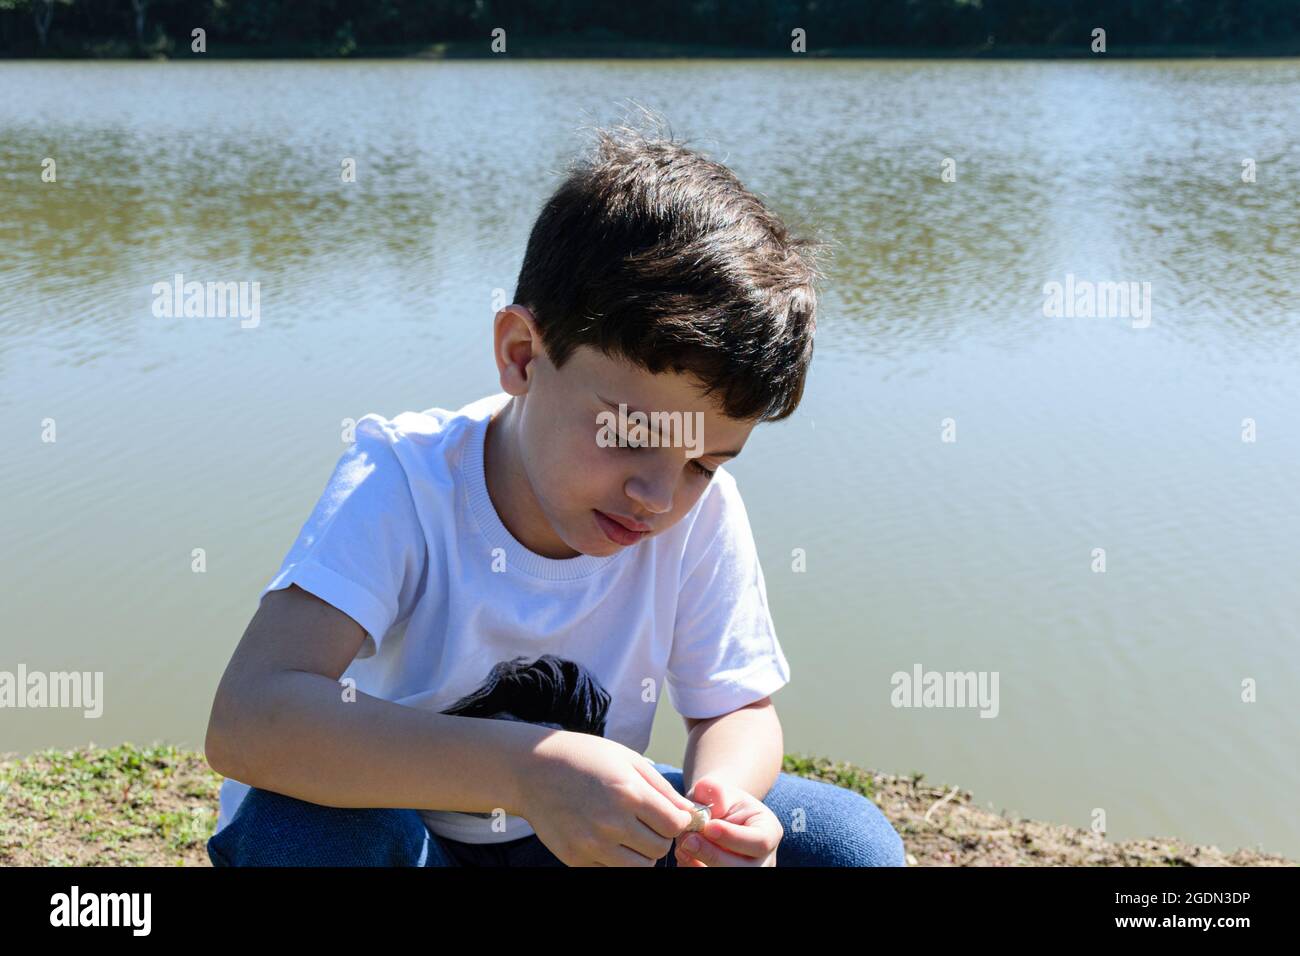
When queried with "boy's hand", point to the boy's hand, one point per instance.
{"points": [[742, 831], [594, 802]]}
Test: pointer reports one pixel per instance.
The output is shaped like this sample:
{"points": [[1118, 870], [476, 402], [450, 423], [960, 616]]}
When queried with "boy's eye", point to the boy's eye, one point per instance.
{"points": [[701, 469]]}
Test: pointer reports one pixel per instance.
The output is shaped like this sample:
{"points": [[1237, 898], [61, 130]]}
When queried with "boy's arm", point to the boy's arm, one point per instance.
{"points": [[744, 747], [280, 721]]}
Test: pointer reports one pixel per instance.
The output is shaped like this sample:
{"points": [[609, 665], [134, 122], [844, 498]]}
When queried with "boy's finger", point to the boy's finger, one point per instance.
{"points": [[712, 854], [669, 816], [660, 783], [745, 841]]}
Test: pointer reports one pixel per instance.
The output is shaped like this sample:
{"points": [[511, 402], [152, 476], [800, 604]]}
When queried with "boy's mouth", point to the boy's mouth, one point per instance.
{"points": [[621, 530]]}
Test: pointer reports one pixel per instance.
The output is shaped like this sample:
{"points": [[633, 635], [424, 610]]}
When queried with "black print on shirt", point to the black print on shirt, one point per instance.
{"points": [[550, 691]]}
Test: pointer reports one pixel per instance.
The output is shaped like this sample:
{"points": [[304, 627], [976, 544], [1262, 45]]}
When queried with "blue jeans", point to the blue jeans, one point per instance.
{"points": [[824, 825]]}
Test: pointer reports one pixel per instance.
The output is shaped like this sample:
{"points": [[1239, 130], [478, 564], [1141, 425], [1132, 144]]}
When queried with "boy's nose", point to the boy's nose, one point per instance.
{"points": [[652, 491]]}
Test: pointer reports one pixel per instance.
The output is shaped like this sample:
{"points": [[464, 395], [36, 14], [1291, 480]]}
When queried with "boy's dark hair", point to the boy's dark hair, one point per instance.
{"points": [[653, 253]]}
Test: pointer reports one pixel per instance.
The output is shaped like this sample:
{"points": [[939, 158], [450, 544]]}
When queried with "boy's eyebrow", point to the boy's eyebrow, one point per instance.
{"points": [[630, 410]]}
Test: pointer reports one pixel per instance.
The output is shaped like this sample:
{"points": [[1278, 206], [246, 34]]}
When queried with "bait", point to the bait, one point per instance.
{"points": [[699, 816]]}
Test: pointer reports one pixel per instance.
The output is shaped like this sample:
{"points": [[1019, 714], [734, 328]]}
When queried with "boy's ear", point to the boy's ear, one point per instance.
{"points": [[517, 344], [523, 312]]}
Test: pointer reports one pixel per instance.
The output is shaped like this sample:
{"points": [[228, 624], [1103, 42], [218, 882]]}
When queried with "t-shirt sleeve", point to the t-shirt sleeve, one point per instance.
{"points": [[725, 653], [363, 548]]}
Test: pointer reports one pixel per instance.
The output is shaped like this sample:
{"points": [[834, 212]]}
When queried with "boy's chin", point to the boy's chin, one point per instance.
{"points": [[590, 545], [600, 549]]}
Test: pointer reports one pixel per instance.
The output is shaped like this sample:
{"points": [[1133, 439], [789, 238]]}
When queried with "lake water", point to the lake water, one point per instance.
{"points": [[1119, 690]]}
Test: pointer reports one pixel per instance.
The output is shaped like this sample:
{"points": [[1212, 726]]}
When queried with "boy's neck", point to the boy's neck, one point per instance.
{"points": [[511, 493]]}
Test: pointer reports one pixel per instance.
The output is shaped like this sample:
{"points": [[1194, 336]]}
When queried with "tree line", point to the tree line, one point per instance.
{"points": [[354, 27]]}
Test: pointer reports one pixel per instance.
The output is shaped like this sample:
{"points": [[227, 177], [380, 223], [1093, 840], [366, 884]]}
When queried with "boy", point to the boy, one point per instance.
{"points": [[460, 658]]}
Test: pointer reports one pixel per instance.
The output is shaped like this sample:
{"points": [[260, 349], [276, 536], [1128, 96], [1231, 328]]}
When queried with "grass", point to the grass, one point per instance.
{"points": [[156, 806], [114, 806]]}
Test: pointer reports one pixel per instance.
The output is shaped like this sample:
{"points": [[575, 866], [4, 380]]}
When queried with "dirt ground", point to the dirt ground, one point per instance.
{"points": [[156, 806]]}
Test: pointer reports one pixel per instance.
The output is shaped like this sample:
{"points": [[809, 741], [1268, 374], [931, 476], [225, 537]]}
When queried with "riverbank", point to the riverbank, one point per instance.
{"points": [[156, 806]]}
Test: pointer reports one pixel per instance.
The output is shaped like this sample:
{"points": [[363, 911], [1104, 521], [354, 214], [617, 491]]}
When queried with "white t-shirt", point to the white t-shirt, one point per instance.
{"points": [[461, 618]]}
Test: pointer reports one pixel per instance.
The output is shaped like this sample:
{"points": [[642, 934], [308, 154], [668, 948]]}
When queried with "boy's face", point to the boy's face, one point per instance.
{"points": [[558, 489]]}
